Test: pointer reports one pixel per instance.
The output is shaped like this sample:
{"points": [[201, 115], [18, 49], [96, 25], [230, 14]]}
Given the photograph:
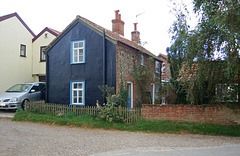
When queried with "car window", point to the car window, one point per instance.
{"points": [[36, 88], [42, 86], [19, 88]]}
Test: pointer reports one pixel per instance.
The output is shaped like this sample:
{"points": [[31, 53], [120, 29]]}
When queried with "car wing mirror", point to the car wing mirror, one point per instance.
{"points": [[32, 91]]}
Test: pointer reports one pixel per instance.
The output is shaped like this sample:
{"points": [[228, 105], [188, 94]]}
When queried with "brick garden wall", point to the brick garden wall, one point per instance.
{"points": [[190, 113]]}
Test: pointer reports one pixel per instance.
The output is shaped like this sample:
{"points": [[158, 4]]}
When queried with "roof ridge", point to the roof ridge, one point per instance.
{"points": [[58, 32], [118, 37], [52, 31]]}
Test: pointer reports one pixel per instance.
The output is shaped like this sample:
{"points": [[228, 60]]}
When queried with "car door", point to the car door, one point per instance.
{"points": [[35, 93]]}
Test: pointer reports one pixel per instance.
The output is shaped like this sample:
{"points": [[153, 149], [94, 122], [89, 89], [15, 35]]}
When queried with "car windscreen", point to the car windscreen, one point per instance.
{"points": [[19, 88]]}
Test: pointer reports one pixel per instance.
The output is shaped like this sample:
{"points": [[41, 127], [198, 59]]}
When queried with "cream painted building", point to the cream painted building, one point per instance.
{"points": [[20, 51], [39, 43]]}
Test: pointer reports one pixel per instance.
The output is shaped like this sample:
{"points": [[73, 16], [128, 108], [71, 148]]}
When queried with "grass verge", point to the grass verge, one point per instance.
{"points": [[143, 125]]}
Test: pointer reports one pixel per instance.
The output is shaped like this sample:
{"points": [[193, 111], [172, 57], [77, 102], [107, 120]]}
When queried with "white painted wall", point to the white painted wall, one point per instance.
{"points": [[39, 68], [14, 68]]}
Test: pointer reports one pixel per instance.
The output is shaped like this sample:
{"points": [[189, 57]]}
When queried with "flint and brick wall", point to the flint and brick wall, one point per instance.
{"points": [[190, 113], [126, 56]]}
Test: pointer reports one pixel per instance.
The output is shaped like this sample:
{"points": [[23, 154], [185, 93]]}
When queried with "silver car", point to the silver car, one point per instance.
{"points": [[16, 96]]}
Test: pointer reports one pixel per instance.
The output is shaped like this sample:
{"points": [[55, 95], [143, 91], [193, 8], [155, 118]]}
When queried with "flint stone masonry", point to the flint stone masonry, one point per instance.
{"points": [[125, 58], [218, 114]]}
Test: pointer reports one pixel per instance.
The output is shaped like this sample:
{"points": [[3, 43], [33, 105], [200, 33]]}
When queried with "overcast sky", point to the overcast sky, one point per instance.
{"points": [[153, 23]]}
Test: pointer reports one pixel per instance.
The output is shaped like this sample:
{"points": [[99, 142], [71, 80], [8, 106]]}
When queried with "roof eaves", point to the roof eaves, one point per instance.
{"points": [[44, 30], [19, 18], [85, 22], [163, 56], [62, 34]]}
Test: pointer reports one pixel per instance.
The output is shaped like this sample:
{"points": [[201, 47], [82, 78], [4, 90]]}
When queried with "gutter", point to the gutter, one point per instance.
{"points": [[104, 63]]}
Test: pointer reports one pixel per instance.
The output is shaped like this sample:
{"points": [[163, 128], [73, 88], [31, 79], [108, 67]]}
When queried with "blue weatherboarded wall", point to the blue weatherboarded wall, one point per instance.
{"points": [[60, 71]]}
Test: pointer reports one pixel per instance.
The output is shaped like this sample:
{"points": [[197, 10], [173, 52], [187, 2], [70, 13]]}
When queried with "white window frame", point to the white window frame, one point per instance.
{"points": [[157, 91], [23, 50], [153, 93], [42, 54], [157, 67], [163, 69], [163, 101], [73, 89], [131, 90], [142, 60], [75, 50]]}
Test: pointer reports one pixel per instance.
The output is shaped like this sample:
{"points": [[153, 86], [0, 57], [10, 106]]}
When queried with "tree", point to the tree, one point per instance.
{"points": [[211, 49], [177, 51]]}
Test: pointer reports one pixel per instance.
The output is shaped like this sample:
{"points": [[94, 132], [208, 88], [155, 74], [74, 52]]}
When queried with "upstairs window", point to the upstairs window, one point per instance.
{"points": [[23, 50], [142, 60], [157, 67], [78, 51], [163, 69], [42, 54]]}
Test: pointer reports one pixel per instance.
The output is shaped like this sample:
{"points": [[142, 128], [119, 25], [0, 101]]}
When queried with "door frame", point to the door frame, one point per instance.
{"points": [[131, 91]]}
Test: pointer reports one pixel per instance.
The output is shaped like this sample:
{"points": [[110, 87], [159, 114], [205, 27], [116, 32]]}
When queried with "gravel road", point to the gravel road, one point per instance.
{"points": [[24, 138]]}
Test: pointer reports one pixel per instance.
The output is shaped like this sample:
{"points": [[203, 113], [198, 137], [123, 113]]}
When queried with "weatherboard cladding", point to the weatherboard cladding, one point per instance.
{"points": [[60, 71]]}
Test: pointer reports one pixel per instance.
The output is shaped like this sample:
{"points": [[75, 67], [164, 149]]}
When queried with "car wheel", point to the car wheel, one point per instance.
{"points": [[23, 104]]}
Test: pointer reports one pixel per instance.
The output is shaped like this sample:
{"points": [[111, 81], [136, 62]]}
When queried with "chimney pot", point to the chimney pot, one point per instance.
{"points": [[116, 14], [135, 34], [118, 24], [135, 26]]}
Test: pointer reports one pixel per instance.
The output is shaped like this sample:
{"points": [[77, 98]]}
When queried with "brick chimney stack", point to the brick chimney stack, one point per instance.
{"points": [[118, 24], [135, 34]]}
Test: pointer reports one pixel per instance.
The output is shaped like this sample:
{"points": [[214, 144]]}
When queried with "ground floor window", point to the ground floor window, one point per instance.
{"points": [[77, 93], [42, 78]]}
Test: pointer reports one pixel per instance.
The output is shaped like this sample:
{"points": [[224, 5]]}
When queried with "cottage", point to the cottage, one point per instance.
{"points": [[86, 55], [22, 52]]}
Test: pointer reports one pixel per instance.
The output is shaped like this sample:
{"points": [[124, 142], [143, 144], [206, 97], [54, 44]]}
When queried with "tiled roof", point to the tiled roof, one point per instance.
{"points": [[162, 56], [2, 18], [109, 34], [118, 37], [50, 30], [57, 32]]}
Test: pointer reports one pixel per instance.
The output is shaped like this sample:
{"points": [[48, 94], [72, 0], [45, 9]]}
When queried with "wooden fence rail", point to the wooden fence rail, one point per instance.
{"points": [[131, 116]]}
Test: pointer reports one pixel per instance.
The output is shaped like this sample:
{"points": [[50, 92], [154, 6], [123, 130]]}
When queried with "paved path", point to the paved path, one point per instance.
{"points": [[7, 113], [24, 138], [226, 150]]}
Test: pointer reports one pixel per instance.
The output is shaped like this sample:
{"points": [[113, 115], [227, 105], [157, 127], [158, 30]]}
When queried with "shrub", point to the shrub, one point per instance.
{"points": [[109, 111]]}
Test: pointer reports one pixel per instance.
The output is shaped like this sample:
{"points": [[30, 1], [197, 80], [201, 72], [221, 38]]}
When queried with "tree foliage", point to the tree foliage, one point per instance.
{"points": [[209, 53]]}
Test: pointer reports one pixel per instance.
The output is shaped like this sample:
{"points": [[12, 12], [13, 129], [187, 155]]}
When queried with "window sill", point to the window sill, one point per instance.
{"points": [[77, 104], [79, 63]]}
